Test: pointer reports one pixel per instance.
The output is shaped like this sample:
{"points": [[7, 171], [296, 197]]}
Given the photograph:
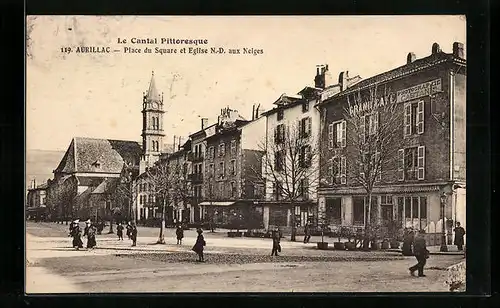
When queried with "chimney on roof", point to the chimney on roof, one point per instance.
{"points": [[410, 58], [436, 48], [253, 112], [343, 80], [204, 123], [319, 79], [257, 115], [458, 50]]}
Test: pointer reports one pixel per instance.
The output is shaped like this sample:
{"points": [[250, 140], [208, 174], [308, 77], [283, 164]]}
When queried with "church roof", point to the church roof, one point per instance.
{"points": [[92, 155], [153, 94], [108, 185]]}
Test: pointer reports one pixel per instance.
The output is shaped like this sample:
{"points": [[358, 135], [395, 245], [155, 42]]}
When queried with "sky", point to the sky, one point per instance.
{"points": [[100, 95]]}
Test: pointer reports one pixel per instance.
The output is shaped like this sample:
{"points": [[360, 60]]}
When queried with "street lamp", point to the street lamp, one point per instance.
{"points": [[444, 247]]}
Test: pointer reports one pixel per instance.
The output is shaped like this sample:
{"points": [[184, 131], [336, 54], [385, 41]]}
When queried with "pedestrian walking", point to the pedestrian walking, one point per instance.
{"points": [[87, 225], [119, 231], [276, 243], [307, 233], [199, 245], [76, 233], [459, 236], [129, 230], [421, 253], [133, 234], [91, 241], [408, 239], [180, 234]]}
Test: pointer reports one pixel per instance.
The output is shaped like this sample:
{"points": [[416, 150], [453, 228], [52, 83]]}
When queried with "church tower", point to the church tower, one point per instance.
{"points": [[152, 125]]}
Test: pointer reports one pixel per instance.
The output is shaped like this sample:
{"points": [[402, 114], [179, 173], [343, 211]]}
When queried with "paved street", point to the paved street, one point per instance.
{"points": [[232, 265]]}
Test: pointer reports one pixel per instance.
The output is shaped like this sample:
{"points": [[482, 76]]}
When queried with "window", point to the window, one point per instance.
{"points": [[220, 190], [414, 118], [415, 211], [305, 156], [277, 190], [386, 208], [210, 153], [372, 123], [233, 167], [333, 211], [338, 170], [278, 216], [358, 212], [233, 189], [305, 107], [303, 188], [222, 170], [400, 207], [233, 147], [411, 165], [280, 114], [279, 134], [211, 170], [222, 149], [337, 135], [305, 127], [279, 160]]}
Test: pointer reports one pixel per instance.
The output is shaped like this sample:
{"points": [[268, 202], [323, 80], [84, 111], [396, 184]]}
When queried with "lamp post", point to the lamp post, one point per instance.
{"points": [[444, 247]]}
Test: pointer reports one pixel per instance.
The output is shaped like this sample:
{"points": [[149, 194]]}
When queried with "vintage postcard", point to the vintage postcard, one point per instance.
{"points": [[245, 154]]}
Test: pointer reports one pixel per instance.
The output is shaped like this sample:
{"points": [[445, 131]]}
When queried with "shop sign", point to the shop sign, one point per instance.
{"points": [[423, 89]]}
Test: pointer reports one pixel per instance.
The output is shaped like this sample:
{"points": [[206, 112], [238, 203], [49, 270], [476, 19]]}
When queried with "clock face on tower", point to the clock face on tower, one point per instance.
{"points": [[155, 105]]}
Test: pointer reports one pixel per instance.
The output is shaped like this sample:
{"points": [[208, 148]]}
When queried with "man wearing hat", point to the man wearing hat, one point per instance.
{"points": [[87, 225], [421, 253]]}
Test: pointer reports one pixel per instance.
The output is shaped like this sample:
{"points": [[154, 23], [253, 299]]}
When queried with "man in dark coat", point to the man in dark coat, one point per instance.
{"points": [[408, 239], [199, 246], [276, 243], [76, 233], [133, 234], [421, 253], [91, 233], [180, 234], [307, 233], [119, 231], [129, 230], [459, 237]]}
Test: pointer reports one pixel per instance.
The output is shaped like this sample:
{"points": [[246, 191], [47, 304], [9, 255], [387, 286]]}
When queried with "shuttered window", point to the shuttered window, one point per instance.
{"points": [[421, 162], [401, 165]]}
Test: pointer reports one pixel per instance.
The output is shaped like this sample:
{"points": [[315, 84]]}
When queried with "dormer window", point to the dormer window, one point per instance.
{"points": [[280, 114], [96, 164]]}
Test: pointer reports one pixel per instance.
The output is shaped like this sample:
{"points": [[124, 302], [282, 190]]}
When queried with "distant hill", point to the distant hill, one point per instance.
{"points": [[40, 164]]}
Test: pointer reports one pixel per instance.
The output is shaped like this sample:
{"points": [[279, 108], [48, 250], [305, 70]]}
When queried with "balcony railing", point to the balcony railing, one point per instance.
{"points": [[195, 177], [196, 157]]}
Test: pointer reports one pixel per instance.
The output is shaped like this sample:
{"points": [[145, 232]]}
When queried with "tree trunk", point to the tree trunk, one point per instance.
{"points": [[294, 225], [161, 237], [366, 241]]}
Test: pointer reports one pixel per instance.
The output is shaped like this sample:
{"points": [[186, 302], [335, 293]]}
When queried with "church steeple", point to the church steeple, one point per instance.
{"points": [[152, 94], [152, 123]]}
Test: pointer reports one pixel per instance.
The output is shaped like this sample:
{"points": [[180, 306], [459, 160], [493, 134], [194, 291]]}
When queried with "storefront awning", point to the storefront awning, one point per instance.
{"points": [[208, 203]]}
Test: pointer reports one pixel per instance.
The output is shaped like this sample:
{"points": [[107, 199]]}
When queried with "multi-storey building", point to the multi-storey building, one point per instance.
{"points": [[37, 201], [232, 175], [429, 173], [292, 173], [197, 159]]}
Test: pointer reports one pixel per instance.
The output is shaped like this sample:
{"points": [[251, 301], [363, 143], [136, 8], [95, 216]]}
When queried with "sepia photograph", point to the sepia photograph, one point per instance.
{"points": [[188, 154]]}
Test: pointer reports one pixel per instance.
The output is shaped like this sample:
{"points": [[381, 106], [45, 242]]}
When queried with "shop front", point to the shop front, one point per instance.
{"points": [[233, 214], [419, 207]]}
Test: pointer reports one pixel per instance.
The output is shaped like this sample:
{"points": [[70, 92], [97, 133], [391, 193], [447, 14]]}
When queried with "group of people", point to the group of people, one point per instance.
{"points": [[131, 232], [416, 245], [76, 233]]}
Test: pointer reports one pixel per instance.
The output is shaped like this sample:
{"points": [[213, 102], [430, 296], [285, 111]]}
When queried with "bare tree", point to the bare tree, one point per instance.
{"points": [[291, 162], [169, 184], [373, 139], [126, 190]]}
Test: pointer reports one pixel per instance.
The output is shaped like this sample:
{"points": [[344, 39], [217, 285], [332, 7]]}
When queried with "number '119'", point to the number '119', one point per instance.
{"points": [[66, 49]]}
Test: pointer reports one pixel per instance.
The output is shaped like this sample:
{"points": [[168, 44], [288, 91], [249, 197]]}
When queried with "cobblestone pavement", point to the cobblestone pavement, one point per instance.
{"points": [[236, 265]]}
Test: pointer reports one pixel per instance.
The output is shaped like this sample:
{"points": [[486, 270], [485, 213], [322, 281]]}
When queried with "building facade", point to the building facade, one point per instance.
{"points": [[232, 180], [428, 176], [36, 207]]}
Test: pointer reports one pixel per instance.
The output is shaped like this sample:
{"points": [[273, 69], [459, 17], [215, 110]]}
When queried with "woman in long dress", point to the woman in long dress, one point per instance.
{"points": [[91, 242], [199, 246]]}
